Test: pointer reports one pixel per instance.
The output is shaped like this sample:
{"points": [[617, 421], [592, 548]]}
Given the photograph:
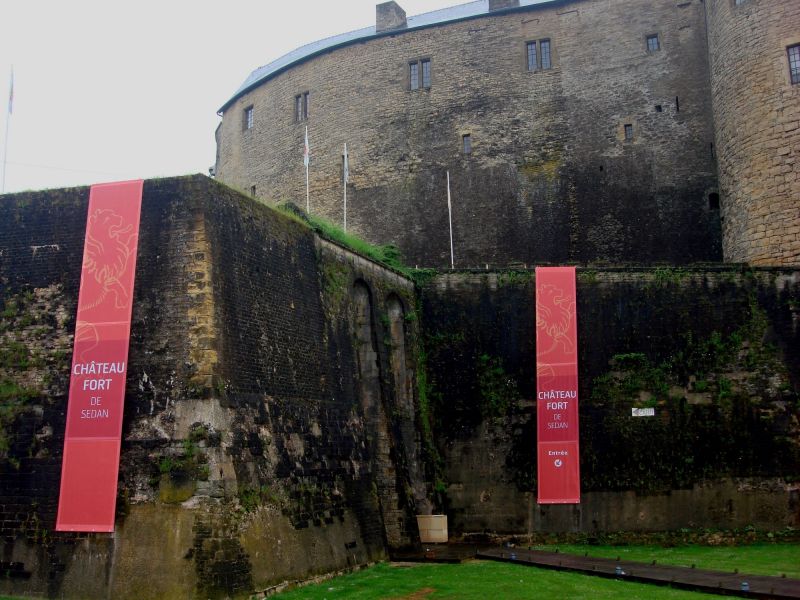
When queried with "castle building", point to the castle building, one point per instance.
{"points": [[600, 131]]}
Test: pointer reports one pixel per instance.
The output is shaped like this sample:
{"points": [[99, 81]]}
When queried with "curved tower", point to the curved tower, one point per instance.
{"points": [[752, 47]]}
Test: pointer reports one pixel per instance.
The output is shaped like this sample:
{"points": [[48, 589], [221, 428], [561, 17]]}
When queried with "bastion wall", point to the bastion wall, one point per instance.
{"points": [[269, 427], [550, 176]]}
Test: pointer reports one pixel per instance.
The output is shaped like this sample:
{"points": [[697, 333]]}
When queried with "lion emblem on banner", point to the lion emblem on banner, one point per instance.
{"points": [[107, 255], [555, 314]]}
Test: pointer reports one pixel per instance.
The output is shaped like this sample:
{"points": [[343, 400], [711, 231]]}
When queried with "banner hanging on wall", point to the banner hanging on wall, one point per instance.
{"points": [[557, 386], [90, 464]]}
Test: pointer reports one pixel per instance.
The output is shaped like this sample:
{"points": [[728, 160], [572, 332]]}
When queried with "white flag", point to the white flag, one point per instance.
{"points": [[306, 150], [346, 166]]}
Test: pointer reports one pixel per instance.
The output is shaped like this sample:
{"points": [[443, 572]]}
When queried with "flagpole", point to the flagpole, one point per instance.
{"points": [[345, 177], [5, 154], [450, 219], [8, 122], [306, 160]]}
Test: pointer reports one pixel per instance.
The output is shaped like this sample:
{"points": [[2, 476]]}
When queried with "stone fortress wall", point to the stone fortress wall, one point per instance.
{"points": [[757, 119], [550, 176], [290, 405], [269, 428]]}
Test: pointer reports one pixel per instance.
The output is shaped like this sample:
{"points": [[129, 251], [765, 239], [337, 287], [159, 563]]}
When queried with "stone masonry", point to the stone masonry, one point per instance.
{"points": [[550, 175], [757, 118]]}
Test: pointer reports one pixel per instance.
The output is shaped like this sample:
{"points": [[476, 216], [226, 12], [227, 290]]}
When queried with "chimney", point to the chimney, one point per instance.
{"points": [[501, 4], [389, 16]]}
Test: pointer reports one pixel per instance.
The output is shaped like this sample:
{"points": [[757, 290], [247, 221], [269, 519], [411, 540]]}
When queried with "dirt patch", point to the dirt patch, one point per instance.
{"points": [[418, 595]]}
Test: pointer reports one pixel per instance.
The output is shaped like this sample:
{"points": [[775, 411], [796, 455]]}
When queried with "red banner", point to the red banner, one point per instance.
{"points": [[100, 359], [557, 386]]}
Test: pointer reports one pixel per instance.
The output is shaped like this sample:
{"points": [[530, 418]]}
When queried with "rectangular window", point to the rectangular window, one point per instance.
{"points": [[426, 74], [467, 139], [538, 53], [413, 75], [301, 107], [652, 43], [532, 62], [794, 63], [628, 131], [248, 118], [544, 47], [419, 74]]}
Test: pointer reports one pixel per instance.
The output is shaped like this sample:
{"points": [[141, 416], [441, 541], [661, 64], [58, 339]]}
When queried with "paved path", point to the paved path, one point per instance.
{"points": [[716, 582]]}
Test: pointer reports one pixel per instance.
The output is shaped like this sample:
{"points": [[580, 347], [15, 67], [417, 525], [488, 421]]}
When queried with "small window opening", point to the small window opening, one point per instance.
{"points": [[713, 201], [658, 108], [467, 143], [601, 167], [653, 44], [301, 107], [247, 122], [628, 131], [677, 104], [711, 148], [253, 190], [794, 63]]}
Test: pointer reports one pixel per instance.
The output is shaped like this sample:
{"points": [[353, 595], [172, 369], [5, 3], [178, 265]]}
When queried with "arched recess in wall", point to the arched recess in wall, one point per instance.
{"points": [[366, 349], [375, 418], [397, 333]]}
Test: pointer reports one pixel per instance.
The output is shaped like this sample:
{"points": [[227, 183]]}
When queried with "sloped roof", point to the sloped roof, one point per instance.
{"points": [[445, 15]]}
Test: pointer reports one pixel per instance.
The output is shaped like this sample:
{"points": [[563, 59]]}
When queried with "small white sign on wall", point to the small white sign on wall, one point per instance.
{"points": [[643, 412]]}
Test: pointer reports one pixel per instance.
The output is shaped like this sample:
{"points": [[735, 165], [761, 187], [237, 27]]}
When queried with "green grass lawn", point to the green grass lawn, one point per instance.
{"points": [[755, 559], [477, 580]]}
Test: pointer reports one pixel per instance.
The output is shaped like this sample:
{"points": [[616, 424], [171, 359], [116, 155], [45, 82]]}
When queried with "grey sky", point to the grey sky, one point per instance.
{"points": [[107, 90]]}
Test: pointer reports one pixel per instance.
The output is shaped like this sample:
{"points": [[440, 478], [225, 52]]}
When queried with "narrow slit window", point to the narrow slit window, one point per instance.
{"points": [[248, 117], [466, 140], [301, 107], [677, 104]]}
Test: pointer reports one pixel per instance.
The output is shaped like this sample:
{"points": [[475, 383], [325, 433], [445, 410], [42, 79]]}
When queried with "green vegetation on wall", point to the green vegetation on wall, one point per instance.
{"points": [[723, 407]]}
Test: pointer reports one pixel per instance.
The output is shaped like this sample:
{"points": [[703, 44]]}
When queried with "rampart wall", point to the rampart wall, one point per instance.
{"points": [[276, 423], [757, 118], [269, 428], [550, 175], [714, 352]]}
